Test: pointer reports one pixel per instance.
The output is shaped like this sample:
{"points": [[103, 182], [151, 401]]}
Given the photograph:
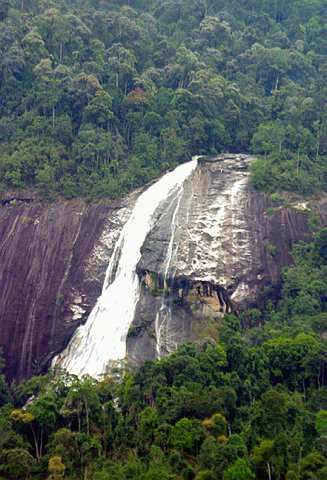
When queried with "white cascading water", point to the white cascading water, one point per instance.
{"points": [[164, 311], [102, 339]]}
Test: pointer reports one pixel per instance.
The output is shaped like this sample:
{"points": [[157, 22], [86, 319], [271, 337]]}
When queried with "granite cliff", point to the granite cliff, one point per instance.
{"points": [[218, 246], [53, 259], [226, 249]]}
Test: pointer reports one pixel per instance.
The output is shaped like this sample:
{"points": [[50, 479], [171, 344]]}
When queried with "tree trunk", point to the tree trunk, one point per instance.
{"points": [[299, 462], [269, 470], [79, 423], [298, 163], [61, 52], [41, 444], [87, 418], [318, 143], [36, 445]]}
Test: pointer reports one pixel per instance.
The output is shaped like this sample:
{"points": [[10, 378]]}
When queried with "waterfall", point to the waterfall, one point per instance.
{"points": [[101, 341], [164, 312]]}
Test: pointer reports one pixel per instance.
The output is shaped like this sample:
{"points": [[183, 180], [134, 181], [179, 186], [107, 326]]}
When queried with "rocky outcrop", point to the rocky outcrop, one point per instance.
{"points": [[218, 247], [227, 246], [53, 259], [173, 312]]}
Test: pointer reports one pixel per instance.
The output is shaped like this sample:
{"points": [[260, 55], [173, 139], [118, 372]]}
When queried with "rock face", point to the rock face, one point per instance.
{"points": [[216, 248], [53, 260], [221, 250]]}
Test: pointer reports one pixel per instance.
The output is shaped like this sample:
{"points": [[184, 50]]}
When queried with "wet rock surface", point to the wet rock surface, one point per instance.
{"points": [[53, 259], [220, 246], [229, 246]]}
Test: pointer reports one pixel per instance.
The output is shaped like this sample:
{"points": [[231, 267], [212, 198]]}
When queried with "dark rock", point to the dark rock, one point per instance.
{"points": [[226, 246], [229, 246], [50, 275]]}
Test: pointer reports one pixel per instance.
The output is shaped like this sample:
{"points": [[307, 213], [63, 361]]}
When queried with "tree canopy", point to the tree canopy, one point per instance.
{"points": [[251, 406], [99, 97]]}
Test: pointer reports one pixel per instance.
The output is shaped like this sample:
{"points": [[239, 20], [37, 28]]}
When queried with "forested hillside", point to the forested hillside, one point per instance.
{"points": [[251, 406], [98, 97]]}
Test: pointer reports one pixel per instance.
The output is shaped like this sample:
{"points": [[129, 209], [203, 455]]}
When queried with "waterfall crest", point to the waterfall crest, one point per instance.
{"points": [[102, 339]]}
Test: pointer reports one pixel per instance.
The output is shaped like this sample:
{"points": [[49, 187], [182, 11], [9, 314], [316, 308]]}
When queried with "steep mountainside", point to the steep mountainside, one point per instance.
{"points": [[52, 262], [221, 249], [217, 250]]}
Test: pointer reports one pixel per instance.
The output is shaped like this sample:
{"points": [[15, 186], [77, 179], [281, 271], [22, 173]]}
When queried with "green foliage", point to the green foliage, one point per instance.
{"points": [[16, 463], [216, 425], [321, 422], [101, 97], [56, 468], [240, 470], [252, 406], [187, 435]]}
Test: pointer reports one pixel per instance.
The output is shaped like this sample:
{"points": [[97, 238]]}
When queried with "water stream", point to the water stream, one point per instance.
{"points": [[101, 341]]}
